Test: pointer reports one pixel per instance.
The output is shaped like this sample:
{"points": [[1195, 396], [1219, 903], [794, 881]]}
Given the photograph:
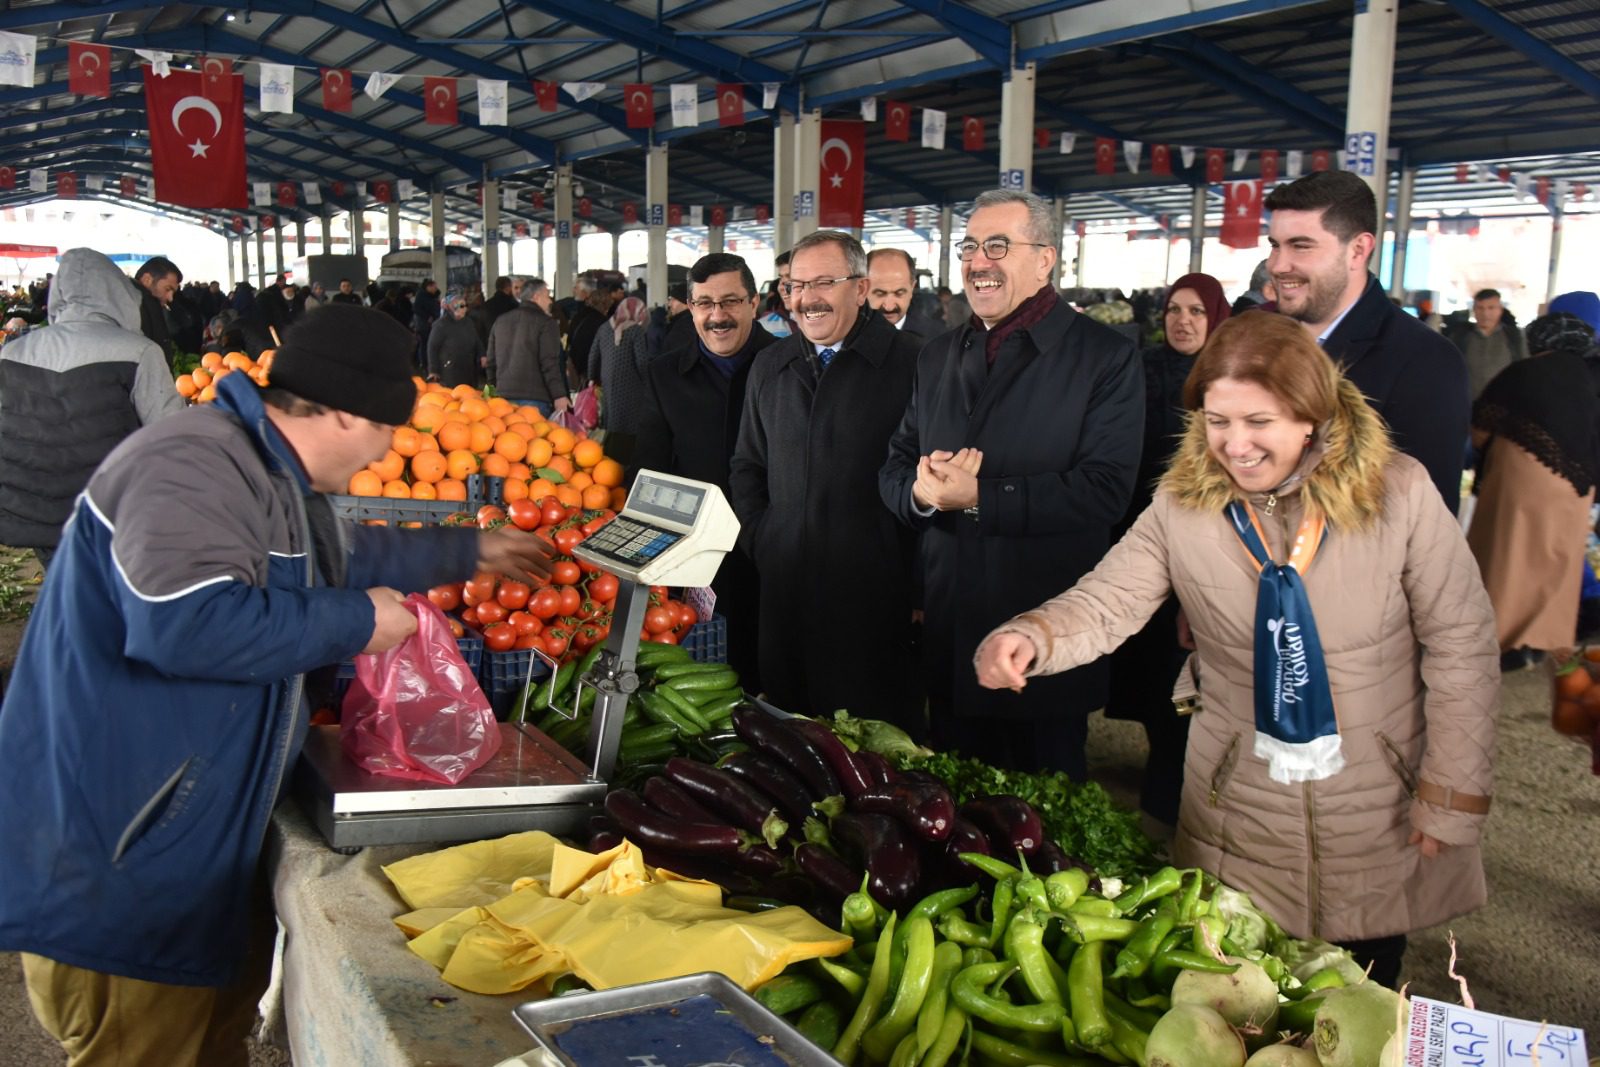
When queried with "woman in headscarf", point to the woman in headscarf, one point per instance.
{"points": [[455, 349], [1535, 426], [1143, 670], [617, 362]]}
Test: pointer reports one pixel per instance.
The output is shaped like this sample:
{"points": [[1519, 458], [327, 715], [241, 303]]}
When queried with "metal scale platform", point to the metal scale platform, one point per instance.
{"points": [[673, 531]]}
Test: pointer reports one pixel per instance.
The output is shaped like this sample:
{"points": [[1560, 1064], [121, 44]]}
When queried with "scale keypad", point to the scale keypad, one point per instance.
{"points": [[631, 542]]}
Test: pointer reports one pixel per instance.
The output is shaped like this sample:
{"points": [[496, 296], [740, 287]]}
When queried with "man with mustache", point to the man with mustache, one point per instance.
{"points": [[1322, 237], [892, 292], [820, 408], [695, 398], [1015, 458]]}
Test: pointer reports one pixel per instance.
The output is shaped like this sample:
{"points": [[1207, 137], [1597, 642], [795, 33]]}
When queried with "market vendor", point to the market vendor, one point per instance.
{"points": [[1340, 763], [156, 705]]}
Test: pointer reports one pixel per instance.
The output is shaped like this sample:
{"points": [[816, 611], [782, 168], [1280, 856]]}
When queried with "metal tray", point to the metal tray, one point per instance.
{"points": [[698, 1019]]}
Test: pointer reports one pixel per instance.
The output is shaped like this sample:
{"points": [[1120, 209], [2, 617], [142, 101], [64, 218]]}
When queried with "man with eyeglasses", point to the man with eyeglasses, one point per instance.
{"points": [[819, 410], [1016, 455], [690, 424]]}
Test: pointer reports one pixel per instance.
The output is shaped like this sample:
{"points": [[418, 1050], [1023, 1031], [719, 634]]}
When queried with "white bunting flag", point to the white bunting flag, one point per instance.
{"points": [[408, 188], [313, 192], [1186, 153], [379, 83], [1130, 154], [769, 95], [506, 232], [1522, 184], [932, 128], [361, 192], [1068, 142], [261, 193], [685, 104], [277, 87], [1562, 189], [1293, 162], [697, 215], [581, 91], [150, 192], [1344, 160], [160, 62], [1241, 156], [492, 108], [1485, 172], [17, 53], [508, 199], [869, 109], [91, 182]]}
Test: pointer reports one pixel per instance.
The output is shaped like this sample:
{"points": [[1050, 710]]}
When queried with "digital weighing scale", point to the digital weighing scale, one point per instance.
{"points": [[672, 531]]}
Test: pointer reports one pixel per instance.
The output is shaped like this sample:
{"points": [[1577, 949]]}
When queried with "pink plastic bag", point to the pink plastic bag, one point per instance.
{"points": [[416, 711], [584, 414]]}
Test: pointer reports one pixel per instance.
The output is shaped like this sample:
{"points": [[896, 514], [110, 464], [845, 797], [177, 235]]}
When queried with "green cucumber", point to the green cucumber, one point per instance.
{"points": [[723, 679], [690, 666], [686, 709], [789, 993], [705, 698], [653, 734], [655, 753], [821, 1023], [658, 709]]}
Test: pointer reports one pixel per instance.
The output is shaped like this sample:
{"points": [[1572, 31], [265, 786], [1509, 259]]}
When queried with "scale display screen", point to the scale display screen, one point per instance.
{"points": [[630, 541], [668, 501]]}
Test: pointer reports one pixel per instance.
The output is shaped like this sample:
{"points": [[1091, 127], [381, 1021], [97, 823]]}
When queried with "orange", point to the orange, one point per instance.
{"points": [[562, 465], [542, 428], [580, 481], [390, 467], [523, 430], [238, 361], [221, 374], [587, 453], [608, 472], [511, 445], [450, 489], [397, 490], [514, 489], [531, 413], [540, 488], [429, 467], [462, 464], [474, 408], [619, 497], [427, 442], [454, 436], [424, 491], [427, 418], [499, 405], [186, 386], [539, 452], [365, 483], [462, 391], [436, 387], [406, 441], [201, 376], [596, 497], [453, 414], [416, 380], [561, 439], [207, 395], [496, 424], [482, 438], [211, 360], [496, 466], [569, 496], [521, 471], [433, 400]]}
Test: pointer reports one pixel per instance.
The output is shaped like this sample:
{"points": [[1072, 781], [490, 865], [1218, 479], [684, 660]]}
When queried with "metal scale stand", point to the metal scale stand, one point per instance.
{"points": [[673, 531]]}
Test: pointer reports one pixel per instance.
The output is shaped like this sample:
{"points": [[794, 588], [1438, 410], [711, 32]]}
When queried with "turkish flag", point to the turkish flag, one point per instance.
{"points": [[1321, 159], [286, 194], [520, 229], [219, 78], [1504, 174], [130, 188], [1579, 190], [1041, 138], [630, 213], [1461, 172], [585, 207], [763, 214], [66, 187], [640, 101], [544, 93], [538, 200], [269, 222], [674, 214], [196, 144], [896, 120], [730, 105], [549, 229], [972, 134], [382, 192], [238, 224], [842, 174], [439, 94], [1214, 165], [1269, 165], [89, 69], [8, 178], [335, 89], [338, 189], [1241, 214], [1081, 229], [1161, 160], [1105, 155], [1542, 190], [719, 215]]}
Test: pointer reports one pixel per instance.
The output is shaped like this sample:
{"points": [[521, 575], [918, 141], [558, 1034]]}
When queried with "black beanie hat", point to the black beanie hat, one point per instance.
{"points": [[352, 358]]}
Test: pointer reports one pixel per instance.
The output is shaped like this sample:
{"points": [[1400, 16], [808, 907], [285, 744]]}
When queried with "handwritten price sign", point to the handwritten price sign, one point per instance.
{"points": [[1446, 1035]]}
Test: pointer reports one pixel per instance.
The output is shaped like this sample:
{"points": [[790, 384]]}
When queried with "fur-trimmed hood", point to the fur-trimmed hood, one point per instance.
{"points": [[1341, 474]]}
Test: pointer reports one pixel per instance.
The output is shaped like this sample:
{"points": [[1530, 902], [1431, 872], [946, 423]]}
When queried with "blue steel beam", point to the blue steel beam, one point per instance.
{"points": [[1266, 85], [46, 14], [1536, 49], [1242, 88], [989, 37]]}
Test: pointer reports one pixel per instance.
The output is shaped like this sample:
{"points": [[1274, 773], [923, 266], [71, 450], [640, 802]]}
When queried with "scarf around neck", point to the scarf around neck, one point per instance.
{"points": [[1030, 312]]}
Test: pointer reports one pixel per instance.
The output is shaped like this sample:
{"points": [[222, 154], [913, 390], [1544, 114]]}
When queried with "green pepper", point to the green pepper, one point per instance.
{"points": [[946, 962], [1099, 907], [1300, 1015], [1086, 994], [1086, 928], [851, 982], [879, 1042], [871, 999], [951, 1027], [1030, 891], [1163, 883], [1063, 888], [973, 955], [953, 926], [999, 870], [1135, 957], [859, 911], [1327, 978], [1194, 961], [1001, 904], [1208, 934], [966, 989], [1128, 1039], [905, 1053], [1116, 1007], [1025, 947], [1189, 903], [999, 1051]]}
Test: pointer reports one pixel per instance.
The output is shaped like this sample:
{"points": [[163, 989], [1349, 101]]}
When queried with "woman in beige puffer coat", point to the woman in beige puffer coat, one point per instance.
{"points": [[1389, 842]]}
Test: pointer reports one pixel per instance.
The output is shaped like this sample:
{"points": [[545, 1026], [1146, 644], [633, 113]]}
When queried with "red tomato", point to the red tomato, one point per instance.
{"points": [[525, 622], [583, 639], [571, 600], [565, 572], [687, 616], [491, 611], [499, 637], [594, 524], [446, 597], [455, 626], [488, 514], [480, 588], [659, 590], [658, 621], [665, 637], [546, 603], [553, 513], [524, 514], [530, 640], [556, 642], [603, 587], [568, 539], [587, 567], [513, 595]]}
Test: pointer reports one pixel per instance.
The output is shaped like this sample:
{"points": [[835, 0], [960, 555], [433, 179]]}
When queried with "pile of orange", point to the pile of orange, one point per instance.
{"points": [[456, 433], [200, 385]]}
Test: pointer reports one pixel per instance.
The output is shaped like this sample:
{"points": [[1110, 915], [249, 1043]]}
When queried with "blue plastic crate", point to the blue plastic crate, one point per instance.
{"points": [[707, 641], [471, 647], [427, 512]]}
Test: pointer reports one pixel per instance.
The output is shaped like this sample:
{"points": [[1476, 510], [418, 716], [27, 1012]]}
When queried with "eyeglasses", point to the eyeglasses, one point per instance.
{"points": [[993, 247], [816, 286], [729, 304]]}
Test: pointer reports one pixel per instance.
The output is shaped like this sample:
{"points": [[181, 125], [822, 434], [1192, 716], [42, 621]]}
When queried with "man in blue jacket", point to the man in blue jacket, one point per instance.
{"points": [[157, 702]]}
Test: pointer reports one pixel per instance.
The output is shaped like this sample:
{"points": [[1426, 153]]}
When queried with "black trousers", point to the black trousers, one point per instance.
{"points": [[1383, 953], [1054, 743]]}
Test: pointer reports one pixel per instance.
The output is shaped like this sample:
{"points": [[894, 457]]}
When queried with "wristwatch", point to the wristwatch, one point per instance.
{"points": [[971, 513]]}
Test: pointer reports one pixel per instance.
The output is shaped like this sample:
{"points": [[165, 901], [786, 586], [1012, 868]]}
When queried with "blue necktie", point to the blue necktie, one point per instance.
{"points": [[825, 357]]}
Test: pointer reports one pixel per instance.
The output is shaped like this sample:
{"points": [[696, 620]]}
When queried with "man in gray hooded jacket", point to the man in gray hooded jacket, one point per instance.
{"points": [[70, 393]]}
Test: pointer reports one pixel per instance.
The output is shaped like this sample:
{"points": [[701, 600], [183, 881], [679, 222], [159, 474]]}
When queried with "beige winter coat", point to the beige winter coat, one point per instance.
{"points": [[1409, 640]]}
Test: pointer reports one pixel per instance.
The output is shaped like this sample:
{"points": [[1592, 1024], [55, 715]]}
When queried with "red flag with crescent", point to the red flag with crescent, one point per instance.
{"points": [[972, 134], [544, 94], [286, 194], [66, 187], [730, 104], [218, 73], [130, 187], [1214, 165], [1105, 155], [1241, 215], [585, 207], [520, 229], [238, 223], [1269, 165], [1321, 159], [630, 213], [896, 120], [336, 89], [719, 215], [1161, 160], [269, 222], [89, 69], [549, 229], [338, 189], [1041, 138], [1461, 172], [439, 96], [841, 174], [763, 214], [639, 100], [382, 192], [674, 214], [8, 177], [538, 200], [196, 143]]}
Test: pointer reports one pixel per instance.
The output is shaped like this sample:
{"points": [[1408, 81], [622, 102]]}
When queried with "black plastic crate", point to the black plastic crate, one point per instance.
{"points": [[427, 512]]}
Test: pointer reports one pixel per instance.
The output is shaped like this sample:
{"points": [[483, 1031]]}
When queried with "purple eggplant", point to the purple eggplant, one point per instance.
{"points": [[708, 868], [964, 837], [760, 861], [1010, 822], [929, 810], [728, 796], [878, 768], [604, 840], [832, 875], [667, 796], [853, 776], [773, 779], [1053, 858], [650, 829], [887, 850], [767, 733]]}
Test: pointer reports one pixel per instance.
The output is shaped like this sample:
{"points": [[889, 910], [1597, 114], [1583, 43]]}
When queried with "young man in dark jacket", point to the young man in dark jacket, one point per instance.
{"points": [[202, 575]]}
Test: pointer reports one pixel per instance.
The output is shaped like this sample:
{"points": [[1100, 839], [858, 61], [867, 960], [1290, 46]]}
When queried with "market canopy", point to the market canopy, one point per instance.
{"points": [[16, 251]]}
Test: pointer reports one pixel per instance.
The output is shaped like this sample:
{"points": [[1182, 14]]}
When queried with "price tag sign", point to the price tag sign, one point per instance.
{"points": [[1361, 152], [1448, 1035], [805, 204], [563, 230], [703, 600], [658, 215], [1011, 179]]}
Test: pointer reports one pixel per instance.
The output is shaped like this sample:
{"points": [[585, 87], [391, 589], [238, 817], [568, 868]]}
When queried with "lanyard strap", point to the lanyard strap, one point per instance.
{"points": [[1307, 539]]}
